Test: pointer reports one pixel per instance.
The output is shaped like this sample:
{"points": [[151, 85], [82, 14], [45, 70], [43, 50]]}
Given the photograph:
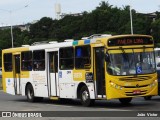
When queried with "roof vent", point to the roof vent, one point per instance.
{"points": [[40, 43], [99, 36], [53, 42], [69, 40], [85, 38], [25, 45]]}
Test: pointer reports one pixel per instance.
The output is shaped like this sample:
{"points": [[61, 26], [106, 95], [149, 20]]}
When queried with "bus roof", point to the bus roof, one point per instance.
{"points": [[51, 45]]}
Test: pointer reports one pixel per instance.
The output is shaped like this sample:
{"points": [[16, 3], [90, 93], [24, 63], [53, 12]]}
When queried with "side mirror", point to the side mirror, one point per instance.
{"points": [[107, 58]]}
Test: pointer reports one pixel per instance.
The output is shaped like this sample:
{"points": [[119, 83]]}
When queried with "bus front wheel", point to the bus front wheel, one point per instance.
{"points": [[125, 101], [85, 97]]}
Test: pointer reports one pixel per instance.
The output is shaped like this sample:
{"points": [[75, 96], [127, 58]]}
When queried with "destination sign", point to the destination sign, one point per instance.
{"points": [[130, 41]]}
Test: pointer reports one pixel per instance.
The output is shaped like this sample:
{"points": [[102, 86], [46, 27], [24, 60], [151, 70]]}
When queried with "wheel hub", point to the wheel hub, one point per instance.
{"points": [[85, 95], [30, 94]]}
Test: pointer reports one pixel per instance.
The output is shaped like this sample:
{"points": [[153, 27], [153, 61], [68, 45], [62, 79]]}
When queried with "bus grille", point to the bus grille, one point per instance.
{"points": [[133, 79], [143, 92], [135, 86]]}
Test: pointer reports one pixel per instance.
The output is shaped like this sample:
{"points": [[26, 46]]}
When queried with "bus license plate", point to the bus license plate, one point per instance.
{"points": [[136, 92]]}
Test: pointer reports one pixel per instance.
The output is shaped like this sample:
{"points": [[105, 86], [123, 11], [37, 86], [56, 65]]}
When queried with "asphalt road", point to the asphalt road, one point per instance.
{"points": [[19, 103]]}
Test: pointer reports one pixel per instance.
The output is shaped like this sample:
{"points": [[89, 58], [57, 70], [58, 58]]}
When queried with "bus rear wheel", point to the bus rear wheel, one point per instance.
{"points": [[30, 95], [125, 101], [148, 97], [85, 97]]}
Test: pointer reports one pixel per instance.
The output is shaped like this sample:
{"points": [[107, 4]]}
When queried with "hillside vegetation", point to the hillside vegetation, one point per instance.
{"points": [[105, 18]]}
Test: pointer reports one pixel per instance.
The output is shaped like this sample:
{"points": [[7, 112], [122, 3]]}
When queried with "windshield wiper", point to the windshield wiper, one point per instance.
{"points": [[135, 75], [144, 52], [129, 60], [125, 55]]}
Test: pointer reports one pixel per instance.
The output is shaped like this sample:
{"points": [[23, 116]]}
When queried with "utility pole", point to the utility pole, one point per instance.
{"points": [[131, 20], [11, 26]]}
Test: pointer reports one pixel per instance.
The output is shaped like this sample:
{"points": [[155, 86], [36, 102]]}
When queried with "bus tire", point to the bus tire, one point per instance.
{"points": [[147, 97], [30, 93], [85, 97], [125, 101]]}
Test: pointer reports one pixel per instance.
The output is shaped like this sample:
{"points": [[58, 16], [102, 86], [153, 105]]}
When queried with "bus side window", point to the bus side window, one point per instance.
{"points": [[26, 59], [7, 58], [66, 59], [82, 57], [39, 60]]}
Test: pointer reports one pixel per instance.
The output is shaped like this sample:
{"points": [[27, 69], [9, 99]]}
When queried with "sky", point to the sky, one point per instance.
{"points": [[18, 12]]}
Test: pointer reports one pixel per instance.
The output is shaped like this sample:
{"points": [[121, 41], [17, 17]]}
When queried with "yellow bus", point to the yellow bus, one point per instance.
{"points": [[94, 68]]}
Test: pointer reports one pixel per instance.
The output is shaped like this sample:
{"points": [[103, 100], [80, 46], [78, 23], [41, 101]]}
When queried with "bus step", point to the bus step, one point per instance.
{"points": [[54, 98]]}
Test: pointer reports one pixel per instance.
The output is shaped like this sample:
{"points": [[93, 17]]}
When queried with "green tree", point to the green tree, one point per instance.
{"points": [[41, 30], [155, 26], [5, 39]]}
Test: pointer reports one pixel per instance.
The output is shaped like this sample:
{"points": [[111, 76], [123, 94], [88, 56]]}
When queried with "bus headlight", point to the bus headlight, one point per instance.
{"points": [[153, 83], [115, 85]]}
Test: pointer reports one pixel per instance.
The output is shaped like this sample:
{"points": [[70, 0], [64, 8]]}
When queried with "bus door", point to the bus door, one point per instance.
{"points": [[17, 85], [53, 73], [99, 71]]}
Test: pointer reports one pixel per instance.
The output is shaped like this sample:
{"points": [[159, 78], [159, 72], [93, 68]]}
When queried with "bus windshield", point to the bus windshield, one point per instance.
{"points": [[131, 63]]}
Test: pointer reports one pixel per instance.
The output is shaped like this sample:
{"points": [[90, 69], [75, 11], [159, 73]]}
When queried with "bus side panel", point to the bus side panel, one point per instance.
{"points": [[91, 90], [40, 86], [79, 76], [24, 83], [38, 81], [10, 86], [8, 82], [66, 85], [67, 90]]}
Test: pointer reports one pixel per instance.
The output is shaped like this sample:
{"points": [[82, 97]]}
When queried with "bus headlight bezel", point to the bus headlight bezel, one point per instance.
{"points": [[153, 83], [115, 86]]}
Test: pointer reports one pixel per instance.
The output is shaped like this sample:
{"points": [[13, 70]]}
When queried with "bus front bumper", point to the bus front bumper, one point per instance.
{"points": [[117, 92]]}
